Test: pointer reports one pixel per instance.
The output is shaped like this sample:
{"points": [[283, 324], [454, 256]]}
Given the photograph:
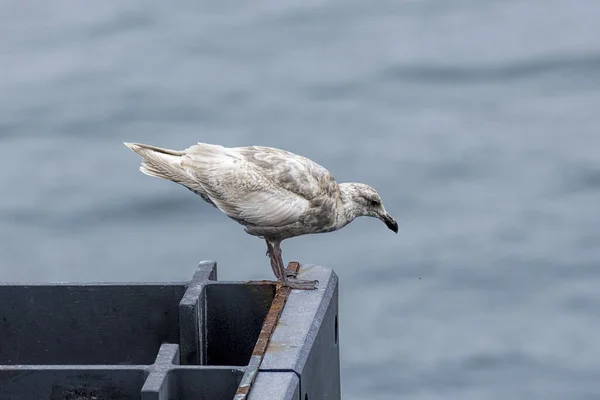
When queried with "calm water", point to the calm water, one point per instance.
{"points": [[478, 122]]}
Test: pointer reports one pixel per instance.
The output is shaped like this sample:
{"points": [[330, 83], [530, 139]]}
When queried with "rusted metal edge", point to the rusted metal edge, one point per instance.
{"points": [[264, 337]]}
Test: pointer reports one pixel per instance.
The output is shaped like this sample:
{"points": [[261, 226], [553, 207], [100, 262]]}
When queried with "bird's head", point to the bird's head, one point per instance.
{"points": [[365, 201]]}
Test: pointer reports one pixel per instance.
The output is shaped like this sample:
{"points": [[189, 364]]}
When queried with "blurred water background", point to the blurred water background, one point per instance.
{"points": [[477, 121]]}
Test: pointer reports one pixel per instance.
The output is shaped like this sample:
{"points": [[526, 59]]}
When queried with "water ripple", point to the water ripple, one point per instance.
{"points": [[138, 210], [588, 64]]}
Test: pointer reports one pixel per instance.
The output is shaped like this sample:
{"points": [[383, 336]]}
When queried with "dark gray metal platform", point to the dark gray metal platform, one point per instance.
{"points": [[186, 340]]}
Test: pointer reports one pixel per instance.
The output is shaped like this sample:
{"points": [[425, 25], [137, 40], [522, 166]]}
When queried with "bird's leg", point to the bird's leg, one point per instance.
{"points": [[291, 281], [273, 259], [275, 262]]}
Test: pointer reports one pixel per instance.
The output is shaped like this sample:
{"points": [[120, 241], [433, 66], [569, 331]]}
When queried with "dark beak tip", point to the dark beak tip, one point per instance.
{"points": [[392, 225]]}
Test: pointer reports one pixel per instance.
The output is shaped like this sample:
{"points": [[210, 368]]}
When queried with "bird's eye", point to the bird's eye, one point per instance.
{"points": [[375, 203]]}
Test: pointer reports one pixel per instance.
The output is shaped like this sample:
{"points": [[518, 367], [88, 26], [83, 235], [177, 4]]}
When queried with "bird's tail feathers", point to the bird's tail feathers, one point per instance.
{"points": [[159, 162], [143, 148]]}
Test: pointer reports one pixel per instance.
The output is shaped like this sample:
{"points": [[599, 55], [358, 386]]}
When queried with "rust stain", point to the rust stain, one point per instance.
{"points": [[268, 327], [275, 347], [263, 282]]}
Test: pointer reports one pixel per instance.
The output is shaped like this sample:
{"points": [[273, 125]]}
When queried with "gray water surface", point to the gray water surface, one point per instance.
{"points": [[477, 121]]}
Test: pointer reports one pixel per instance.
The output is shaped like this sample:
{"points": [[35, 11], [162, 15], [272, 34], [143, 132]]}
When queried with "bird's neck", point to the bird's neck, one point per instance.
{"points": [[346, 210]]}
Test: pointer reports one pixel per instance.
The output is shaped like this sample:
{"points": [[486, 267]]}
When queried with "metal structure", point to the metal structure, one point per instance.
{"points": [[202, 339]]}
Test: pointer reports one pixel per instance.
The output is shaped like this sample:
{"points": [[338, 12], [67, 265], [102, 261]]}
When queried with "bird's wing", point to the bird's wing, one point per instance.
{"points": [[290, 171], [242, 190]]}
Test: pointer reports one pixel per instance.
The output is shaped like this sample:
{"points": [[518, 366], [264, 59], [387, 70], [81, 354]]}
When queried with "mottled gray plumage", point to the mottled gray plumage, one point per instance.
{"points": [[275, 194]]}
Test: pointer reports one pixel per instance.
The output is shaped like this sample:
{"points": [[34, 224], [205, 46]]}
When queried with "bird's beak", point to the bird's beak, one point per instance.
{"points": [[390, 222]]}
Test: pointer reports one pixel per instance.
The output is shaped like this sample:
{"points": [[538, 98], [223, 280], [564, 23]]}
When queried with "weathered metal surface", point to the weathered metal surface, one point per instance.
{"points": [[167, 380], [100, 324], [211, 338], [265, 336], [157, 385], [189, 306], [33, 382], [306, 339], [276, 386], [231, 318]]}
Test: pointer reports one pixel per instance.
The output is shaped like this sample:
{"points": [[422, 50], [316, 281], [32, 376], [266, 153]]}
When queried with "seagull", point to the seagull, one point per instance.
{"points": [[273, 193]]}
